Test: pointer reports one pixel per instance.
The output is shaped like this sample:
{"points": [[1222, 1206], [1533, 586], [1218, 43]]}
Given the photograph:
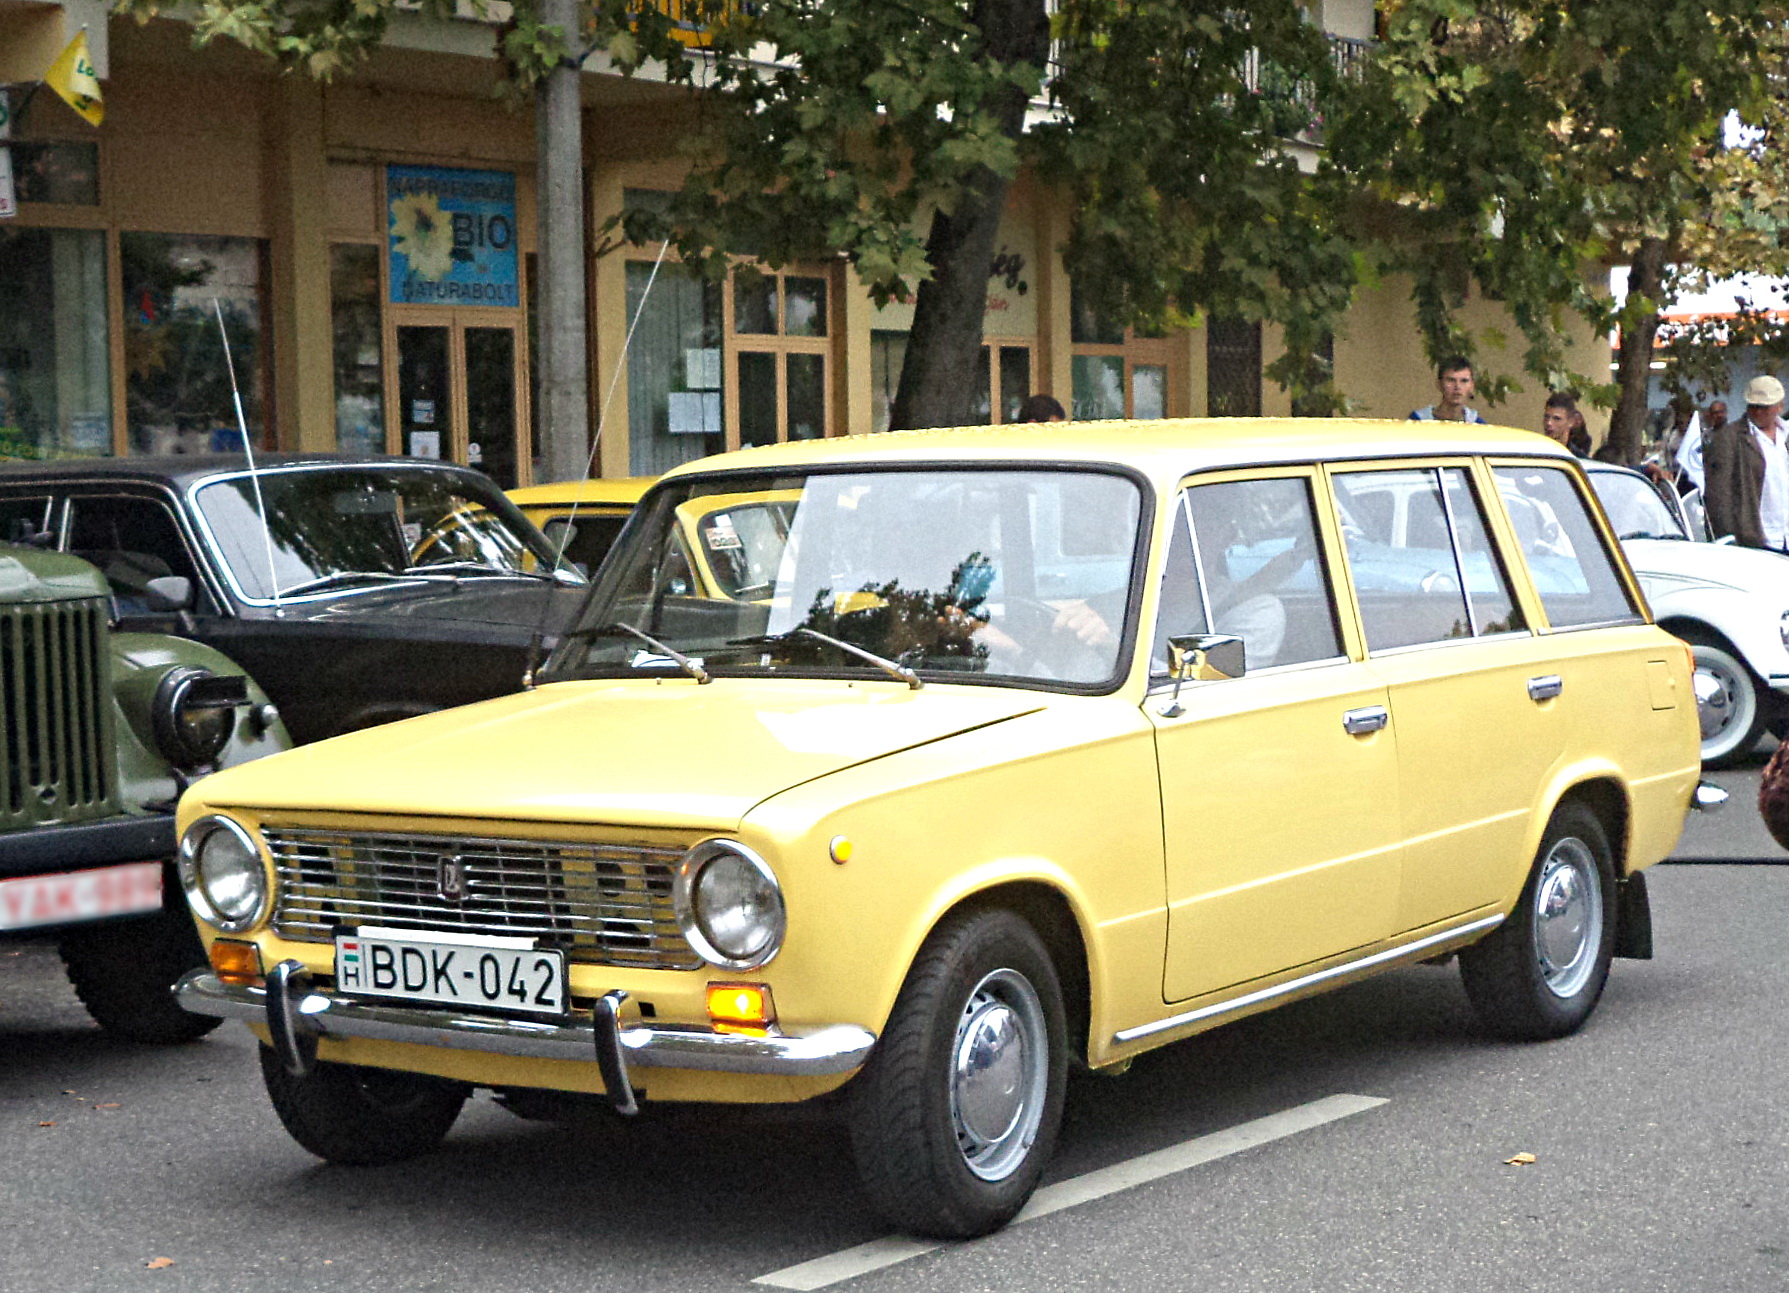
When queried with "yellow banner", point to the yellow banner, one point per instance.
{"points": [[72, 76]]}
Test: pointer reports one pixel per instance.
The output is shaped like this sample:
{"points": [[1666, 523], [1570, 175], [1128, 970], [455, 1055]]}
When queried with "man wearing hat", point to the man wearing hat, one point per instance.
{"points": [[1746, 467]]}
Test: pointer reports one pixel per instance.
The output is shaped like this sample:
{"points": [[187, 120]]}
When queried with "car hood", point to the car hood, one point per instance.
{"points": [[524, 605], [1668, 564], [646, 752]]}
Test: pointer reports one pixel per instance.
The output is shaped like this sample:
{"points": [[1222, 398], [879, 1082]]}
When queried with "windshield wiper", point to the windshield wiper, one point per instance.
{"points": [[619, 629], [345, 577], [899, 672], [458, 568]]}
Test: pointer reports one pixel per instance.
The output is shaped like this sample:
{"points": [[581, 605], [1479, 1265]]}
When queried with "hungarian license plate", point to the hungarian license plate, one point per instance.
{"points": [[467, 970], [35, 900]]}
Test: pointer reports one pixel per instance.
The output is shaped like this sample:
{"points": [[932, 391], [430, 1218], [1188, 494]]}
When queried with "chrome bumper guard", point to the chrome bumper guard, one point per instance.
{"points": [[1707, 797], [297, 1014]]}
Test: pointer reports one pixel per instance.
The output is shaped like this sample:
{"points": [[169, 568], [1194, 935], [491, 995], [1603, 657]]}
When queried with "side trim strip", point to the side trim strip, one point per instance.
{"points": [[1295, 985]]}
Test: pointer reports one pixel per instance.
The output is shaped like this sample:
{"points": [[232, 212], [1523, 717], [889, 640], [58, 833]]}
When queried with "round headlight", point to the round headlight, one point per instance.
{"points": [[221, 871], [195, 715], [729, 905]]}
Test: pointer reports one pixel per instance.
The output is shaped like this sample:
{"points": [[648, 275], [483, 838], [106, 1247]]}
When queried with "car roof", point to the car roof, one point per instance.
{"points": [[1165, 449], [180, 470], [623, 491]]}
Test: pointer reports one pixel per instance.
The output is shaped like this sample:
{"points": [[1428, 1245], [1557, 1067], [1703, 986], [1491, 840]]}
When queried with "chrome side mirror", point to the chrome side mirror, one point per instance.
{"points": [[169, 593], [1203, 657]]}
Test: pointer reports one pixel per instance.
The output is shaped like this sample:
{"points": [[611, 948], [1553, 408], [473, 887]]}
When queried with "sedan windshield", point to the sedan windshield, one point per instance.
{"points": [[1634, 507], [965, 575], [334, 529]]}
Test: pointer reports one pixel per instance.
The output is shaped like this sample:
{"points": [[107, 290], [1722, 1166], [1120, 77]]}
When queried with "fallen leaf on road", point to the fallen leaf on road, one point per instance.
{"points": [[1520, 1160], [105, 1106], [159, 1263], [46, 1124]]}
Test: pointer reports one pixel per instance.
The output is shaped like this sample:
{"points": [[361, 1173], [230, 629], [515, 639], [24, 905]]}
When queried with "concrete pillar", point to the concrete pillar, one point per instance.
{"points": [[298, 299]]}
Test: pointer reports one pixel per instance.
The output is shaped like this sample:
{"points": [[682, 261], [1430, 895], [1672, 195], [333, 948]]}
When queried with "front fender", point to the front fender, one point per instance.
{"points": [[1751, 624]]}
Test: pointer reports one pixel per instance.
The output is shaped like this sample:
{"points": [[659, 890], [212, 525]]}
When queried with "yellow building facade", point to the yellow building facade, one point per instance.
{"points": [[370, 246]]}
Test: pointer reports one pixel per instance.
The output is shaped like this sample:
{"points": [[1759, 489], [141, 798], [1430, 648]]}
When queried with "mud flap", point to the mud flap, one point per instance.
{"points": [[1633, 919]]}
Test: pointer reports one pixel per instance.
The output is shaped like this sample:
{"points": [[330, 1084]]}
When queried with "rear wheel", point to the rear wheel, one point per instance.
{"points": [[1540, 973], [1731, 704], [124, 972], [957, 1111], [361, 1116]]}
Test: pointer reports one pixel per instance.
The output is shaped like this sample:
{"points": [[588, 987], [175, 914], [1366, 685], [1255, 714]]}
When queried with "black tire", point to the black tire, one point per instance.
{"points": [[362, 1116], [124, 973], [982, 982], [1732, 704], [1521, 984]]}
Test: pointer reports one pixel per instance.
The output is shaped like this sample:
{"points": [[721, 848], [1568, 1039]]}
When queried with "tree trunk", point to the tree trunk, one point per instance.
{"points": [[939, 380], [1634, 356]]}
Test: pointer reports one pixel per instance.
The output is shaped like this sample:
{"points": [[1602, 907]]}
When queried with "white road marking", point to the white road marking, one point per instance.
{"points": [[837, 1267]]}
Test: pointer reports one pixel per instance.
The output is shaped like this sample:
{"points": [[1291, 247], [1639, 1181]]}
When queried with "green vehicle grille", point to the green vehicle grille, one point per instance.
{"points": [[55, 689]]}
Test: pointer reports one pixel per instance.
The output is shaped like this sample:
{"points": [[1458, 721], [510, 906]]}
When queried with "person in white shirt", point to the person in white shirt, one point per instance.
{"points": [[1745, 467], [1455, 381]]}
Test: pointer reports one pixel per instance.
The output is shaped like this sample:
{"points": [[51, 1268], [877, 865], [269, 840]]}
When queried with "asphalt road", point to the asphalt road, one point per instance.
{"points": [[1659, 1134]]}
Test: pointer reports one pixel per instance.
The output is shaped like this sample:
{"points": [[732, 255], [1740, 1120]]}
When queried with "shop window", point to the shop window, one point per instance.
{"points": [[1232, 367], [359, 371], [674, 391], [1003, 381], [1117, 372], [55, 372], [177, 386], [64, 172], [779, 340]]}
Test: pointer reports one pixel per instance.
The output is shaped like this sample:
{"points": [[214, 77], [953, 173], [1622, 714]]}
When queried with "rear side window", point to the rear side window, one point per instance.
{"points": [[1422, 561], [1573, 571]]}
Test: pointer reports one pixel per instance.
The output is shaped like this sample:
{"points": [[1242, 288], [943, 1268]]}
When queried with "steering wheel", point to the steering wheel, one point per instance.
{"points": [[1045, 649]]}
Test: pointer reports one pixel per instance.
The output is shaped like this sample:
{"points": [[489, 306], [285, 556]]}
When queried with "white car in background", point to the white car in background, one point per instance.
{"points": [[1731, 604]]}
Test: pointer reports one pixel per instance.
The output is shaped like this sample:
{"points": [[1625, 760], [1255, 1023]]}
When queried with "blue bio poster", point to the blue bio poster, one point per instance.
{"points": [[452, 236]]}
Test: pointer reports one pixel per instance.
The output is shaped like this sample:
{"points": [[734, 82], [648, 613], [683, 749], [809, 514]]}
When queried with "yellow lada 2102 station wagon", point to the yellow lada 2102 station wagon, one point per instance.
{"points": [[1043, 748]]}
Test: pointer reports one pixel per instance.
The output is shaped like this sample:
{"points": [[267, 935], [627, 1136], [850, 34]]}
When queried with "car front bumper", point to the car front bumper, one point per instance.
{"points": [[297, 1013]]}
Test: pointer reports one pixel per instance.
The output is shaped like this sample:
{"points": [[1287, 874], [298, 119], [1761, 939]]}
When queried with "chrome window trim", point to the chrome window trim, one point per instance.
{"points": [[1158, 683], [1256, 998], [1449, 642]]}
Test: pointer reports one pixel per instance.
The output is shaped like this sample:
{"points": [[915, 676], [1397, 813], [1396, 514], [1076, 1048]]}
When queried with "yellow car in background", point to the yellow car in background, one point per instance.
{"points": [[929, 765], [582, 517]]}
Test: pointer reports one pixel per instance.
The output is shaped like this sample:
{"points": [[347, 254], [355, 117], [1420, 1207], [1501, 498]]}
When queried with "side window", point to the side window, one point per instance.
{"points": [[131, 540], [1423, 565], [23, 519], [1182, 609], [1573, 571], [1255, 549]]}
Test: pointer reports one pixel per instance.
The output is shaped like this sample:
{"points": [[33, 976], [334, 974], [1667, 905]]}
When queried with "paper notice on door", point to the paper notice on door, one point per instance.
{"points": [[695, 413], [425, 444], [702, 368]]}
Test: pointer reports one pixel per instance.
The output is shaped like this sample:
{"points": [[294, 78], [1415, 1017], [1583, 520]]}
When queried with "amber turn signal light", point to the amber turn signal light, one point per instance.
{"points": [[740, 1005], [236, 962]]}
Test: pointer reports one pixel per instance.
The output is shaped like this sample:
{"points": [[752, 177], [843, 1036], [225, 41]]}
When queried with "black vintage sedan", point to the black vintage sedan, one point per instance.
{"points": [[355, 590]]}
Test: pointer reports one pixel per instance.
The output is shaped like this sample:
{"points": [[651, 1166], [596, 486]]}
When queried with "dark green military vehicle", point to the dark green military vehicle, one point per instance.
{"points": [[100, 732]]}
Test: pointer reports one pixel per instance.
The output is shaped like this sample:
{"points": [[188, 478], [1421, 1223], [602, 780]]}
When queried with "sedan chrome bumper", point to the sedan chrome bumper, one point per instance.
{"points": [[310, 1013]]}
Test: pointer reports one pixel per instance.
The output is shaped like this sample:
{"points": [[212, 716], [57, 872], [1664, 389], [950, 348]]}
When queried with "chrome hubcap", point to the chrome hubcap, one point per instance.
{"points": [[999, 1074], [1716, 699], [1568, 917]]}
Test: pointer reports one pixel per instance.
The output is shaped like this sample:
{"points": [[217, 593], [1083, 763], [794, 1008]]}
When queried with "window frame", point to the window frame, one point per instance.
{"points": [[1538, 619], [781, 344]]}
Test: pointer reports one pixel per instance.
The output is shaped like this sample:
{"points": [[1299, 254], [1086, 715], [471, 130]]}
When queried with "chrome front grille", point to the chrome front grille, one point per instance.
{"points": [[602, 904]]}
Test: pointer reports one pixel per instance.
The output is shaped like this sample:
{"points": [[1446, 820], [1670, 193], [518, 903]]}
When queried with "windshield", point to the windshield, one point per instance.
{"points": [[339, 528], [1634, 507], [966, 575]]}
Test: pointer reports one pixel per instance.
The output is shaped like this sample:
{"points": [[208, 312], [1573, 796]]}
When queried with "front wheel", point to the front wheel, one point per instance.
{"points": [[124, 972], [956, 1113], [361, 1116], [1540, 973]]}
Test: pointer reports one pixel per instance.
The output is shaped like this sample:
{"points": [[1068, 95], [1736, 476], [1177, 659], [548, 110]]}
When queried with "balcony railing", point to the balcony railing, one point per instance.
{"points": [[1295, 98]]}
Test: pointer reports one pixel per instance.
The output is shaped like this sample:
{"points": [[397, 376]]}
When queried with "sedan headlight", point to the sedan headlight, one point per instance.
{"points": [[221, 871], [195, 715], [730, 905]]}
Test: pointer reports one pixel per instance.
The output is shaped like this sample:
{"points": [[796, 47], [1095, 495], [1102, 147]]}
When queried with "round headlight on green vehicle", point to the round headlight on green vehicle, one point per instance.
{"points": [[221, 872], [195, 715], [729, 905]]}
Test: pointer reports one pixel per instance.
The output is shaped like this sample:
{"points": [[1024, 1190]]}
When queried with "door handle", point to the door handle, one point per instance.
{"points": [[1545, 687], [1358, 722]]}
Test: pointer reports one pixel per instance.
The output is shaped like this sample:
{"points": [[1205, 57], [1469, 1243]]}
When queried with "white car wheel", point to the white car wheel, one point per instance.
{"points": [[1728, 707]]}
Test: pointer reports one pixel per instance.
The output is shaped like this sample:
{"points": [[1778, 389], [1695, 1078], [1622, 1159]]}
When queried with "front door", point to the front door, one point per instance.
{"points": [[1279, 788], [459, 394]]}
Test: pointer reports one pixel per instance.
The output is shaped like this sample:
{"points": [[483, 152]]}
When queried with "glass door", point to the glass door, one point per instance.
{"points": [[458, 395]]}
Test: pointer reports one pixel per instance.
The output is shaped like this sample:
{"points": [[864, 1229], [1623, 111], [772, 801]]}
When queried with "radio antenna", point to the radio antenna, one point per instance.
{"points": [[248, 447]]}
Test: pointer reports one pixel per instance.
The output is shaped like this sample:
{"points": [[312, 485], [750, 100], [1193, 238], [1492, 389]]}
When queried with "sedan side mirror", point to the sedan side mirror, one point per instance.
{"points": [[169, 593], [1203, 657]]}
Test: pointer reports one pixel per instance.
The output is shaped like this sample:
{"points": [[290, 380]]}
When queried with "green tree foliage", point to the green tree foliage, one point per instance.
{"points": [[1526, 145]]}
